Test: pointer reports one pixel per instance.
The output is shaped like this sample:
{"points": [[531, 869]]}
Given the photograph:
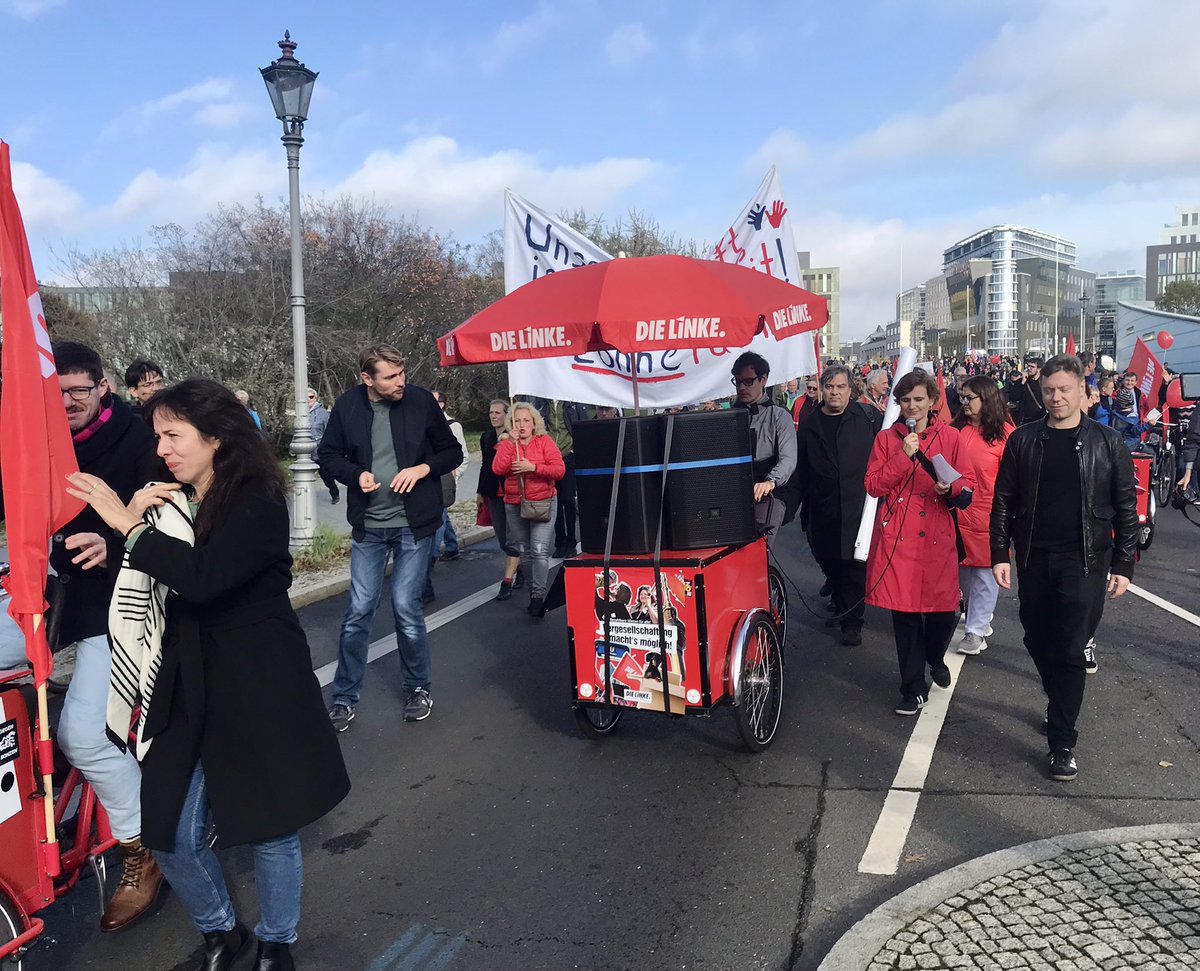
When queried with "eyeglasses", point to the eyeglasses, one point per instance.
{"points": [[811, 387], [745, 382], [966, 399], [312, 397], [150, 384], [81, 393]]}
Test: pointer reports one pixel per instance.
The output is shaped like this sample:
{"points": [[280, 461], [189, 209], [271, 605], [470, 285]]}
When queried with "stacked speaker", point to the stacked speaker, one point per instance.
{"points": [[709, 497]]}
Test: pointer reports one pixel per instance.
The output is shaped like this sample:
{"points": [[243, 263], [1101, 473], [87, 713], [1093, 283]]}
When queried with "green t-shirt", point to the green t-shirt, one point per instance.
{"points": [[385, 508]]}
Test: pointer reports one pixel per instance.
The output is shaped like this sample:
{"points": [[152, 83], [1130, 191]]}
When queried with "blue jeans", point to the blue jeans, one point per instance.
{"points": [[368, 566], [446, 532], [195, 875]]}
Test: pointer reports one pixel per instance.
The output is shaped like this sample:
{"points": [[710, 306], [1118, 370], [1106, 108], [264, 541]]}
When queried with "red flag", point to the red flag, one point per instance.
{"points": [[1070, 342], [942, 411], [34, 438], [1149, 371]]}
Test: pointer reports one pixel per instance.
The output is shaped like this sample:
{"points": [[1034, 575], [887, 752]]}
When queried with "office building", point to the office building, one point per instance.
{"points": [[910, 313], [825, 281], [1178, 256], [1113, 288]]}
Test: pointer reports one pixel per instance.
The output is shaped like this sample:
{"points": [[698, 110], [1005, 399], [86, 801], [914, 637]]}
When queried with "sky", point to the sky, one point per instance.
{"points": [[898, 126]]}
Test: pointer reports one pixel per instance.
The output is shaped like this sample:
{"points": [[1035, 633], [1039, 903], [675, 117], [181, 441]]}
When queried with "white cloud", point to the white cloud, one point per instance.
{"points": [[46, 203], [782, 148], [435, 181], [514, 36], [626, 44], [1061, 105], [213, 103], [28, 9], [213, 178]]}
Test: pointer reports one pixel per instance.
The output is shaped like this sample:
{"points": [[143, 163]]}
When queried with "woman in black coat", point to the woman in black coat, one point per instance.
{"points": [[236, 724]]}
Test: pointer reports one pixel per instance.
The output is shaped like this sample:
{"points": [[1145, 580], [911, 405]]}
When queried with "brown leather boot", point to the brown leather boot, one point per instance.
{"points": [[139, 887]]}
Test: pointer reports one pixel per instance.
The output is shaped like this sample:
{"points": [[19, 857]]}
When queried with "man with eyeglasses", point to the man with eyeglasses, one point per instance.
{"points": [[114, 445], [774, 439], [143, 378]]}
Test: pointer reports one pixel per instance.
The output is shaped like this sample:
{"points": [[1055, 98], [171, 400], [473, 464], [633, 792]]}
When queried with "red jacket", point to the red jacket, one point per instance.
{"points": [[983, 460], [545, 456], [801, 409], [913, 563]]}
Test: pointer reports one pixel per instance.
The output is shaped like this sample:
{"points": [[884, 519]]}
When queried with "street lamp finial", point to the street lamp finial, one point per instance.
{"points": [[288, 46]]}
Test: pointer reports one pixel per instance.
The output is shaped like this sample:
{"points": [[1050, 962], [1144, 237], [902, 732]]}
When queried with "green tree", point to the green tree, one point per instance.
{"points": [[1180, 297], [65, 323]]}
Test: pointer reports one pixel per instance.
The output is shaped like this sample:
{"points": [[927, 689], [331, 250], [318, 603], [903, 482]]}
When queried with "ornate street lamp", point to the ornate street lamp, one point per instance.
{"points": [[1083, 305], [290, 85]]}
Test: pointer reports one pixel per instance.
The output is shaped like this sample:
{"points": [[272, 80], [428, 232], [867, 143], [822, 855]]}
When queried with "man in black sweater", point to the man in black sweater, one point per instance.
{"points": [[389, 444], [1065, 499]]}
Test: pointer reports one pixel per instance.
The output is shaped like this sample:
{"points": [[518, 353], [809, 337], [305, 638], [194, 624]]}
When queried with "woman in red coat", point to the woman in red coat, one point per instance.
{"points": [[983, 424], [530, 464], [912, 569]]}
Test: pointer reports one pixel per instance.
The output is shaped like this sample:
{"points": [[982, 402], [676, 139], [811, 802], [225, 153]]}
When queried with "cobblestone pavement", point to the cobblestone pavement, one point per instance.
{"points": [[1128, 905]]}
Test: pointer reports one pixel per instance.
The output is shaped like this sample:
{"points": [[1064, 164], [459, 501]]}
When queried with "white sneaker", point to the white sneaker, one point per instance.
{"points": [[972, 644], [1091, 664], [988, 632]]}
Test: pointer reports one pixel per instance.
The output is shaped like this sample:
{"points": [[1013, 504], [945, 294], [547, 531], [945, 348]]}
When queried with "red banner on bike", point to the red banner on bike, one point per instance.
{"points": [[34, 438], [1149, 371]]}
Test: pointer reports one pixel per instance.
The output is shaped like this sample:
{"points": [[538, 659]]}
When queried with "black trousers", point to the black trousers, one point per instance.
{"points": [[1060, 609], [564, 523], [848, 584], [921, 640]]}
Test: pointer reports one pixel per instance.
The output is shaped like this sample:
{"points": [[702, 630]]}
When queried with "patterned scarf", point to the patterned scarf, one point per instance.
{"points": [[136, 620], [105, 413]]}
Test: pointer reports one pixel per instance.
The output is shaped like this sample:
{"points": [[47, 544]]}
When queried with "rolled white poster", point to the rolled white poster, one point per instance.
{"points": [[862, 543]]}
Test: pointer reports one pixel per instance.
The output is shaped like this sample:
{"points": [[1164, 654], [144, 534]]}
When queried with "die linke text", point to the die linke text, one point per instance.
{"points": [[529, 338], [680, 329]]}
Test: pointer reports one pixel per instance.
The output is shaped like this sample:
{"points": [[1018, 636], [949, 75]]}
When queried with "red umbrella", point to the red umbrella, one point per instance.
{"points": [[642, 304]]}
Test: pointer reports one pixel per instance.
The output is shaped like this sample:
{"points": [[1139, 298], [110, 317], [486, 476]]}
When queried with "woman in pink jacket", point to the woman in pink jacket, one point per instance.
{"points": [[912, 569], [530, 464], [983, 424]]}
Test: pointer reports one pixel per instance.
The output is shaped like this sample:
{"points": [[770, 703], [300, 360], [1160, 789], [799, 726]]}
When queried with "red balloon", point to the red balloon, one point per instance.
{"points": [[1165, 340], [1175, 396]]}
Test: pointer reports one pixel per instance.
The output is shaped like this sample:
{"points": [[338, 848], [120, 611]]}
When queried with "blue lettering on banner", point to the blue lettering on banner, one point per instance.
{"points": [[563, 254]]}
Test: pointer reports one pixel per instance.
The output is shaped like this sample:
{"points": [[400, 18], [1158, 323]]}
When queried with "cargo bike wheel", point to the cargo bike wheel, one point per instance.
{"points": [[756, 679], [777, 594], [598, 722], [11, 927]]}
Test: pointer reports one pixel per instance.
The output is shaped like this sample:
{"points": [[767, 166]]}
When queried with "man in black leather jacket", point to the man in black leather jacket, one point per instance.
{"points": [[1065, 500]]}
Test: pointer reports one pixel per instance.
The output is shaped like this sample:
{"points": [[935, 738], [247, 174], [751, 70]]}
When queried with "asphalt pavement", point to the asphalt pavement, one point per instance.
{"points": [[494, 836]]}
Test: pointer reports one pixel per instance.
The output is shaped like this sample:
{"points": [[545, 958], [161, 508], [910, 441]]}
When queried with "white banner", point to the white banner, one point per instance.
{"points": [[536, 243]]}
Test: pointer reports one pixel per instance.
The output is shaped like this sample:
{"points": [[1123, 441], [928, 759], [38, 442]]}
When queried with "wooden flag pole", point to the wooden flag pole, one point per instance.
{"points": [[43, 748]]}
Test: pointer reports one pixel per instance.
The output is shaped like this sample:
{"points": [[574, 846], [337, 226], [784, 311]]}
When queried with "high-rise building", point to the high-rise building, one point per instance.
{"points": [[988, 299], [825, 281], [1178, 256], [1128, 287], [910, 313]]}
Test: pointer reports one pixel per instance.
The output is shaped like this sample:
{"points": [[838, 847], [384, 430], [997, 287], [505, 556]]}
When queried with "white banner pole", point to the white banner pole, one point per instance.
{"points": [[866, 526]]}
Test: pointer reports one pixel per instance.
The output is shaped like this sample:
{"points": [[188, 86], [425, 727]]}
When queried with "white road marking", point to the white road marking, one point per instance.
{"points": [[900, 807], [1164, 604], [439, 618]]}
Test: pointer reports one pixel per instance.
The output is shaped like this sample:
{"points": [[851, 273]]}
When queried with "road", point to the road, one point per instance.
{"points": [[493, 836]]}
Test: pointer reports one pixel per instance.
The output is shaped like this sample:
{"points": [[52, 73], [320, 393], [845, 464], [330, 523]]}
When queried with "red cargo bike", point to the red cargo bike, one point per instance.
{"points": [[47, 839], [714, 619]]}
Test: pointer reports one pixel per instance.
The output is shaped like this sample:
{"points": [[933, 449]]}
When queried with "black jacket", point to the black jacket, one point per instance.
{"points": [[832, 483], [1032, 407], [236, 690], [420, 434], [1109, 514], [122, 453], [490, 484]]}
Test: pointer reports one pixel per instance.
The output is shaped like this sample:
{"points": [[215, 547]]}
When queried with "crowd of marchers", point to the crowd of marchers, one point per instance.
{"points": [[997, 478]]}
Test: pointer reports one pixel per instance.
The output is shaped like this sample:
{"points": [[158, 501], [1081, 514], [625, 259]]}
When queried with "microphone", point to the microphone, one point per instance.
{"points": [[912, 425]]}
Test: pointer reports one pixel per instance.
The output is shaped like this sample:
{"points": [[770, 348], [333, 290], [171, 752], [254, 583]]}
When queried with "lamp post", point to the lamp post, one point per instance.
{"points": [[290, 85], [1083, 302]]}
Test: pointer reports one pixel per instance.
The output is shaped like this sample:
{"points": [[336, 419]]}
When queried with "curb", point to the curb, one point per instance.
{"points": [[341, 583], [855, 949]]}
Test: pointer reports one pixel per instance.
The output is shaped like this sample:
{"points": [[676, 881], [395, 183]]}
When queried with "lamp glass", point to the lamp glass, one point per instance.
{"points": [[290, 87]]}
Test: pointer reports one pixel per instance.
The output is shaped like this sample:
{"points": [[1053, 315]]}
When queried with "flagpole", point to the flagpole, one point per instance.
{"points": [[46, 764]]}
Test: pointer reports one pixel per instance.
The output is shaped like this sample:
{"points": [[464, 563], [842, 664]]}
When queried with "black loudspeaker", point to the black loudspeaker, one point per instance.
{"points": [[710, 481], [640, 491]]}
